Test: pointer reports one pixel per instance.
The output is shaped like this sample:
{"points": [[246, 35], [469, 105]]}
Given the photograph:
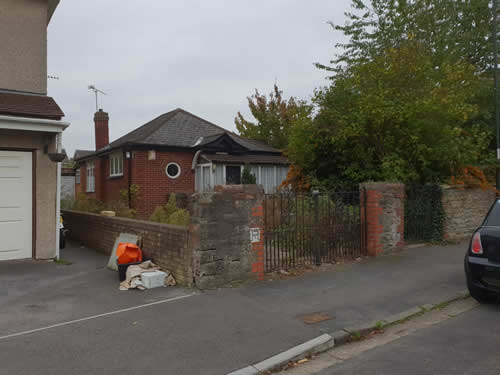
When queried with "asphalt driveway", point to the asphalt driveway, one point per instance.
{"points": [[83, 324], [37, 294]]}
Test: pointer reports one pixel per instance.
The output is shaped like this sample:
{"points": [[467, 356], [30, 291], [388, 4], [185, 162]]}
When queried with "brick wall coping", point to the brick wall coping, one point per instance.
{"points": [[143, 224]]}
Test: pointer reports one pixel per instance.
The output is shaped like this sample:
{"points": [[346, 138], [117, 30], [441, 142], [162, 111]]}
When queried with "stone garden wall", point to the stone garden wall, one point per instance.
{"points": [[465, 210]]}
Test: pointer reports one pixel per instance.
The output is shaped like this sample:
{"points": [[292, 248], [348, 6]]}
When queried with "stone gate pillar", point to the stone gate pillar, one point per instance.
{"points": [[228, 235]]}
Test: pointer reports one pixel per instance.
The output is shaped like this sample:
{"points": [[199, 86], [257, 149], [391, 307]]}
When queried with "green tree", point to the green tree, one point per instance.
{"points": [[247, 178], [275, 117], [410, 95], [397, 117], [453, 29]]}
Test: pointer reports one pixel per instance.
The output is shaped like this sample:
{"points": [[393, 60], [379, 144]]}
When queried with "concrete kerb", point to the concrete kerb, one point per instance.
{"points": [[341, 337], [315, 346], [250, 370], [403, 315], [327, 341]]}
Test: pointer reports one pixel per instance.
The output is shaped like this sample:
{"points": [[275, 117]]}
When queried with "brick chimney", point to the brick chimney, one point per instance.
{"points": [[101, 121]]}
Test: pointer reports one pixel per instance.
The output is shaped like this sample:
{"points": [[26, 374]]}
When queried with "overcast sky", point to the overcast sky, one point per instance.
{"points": [[205, 56]]}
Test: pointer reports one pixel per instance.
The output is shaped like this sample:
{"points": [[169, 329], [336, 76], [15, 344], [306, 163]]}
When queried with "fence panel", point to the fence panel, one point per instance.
{"points": [[312, 228]]}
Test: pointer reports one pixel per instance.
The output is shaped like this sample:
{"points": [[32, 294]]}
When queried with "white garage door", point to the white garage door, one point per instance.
{"points": [[15, 205]]}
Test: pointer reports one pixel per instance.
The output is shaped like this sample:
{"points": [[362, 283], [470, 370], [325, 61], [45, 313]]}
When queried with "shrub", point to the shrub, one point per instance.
{"points": [[170, 213], [247, 178], [171, 206], [159, 215], [120, 207], [179, 217], [133, 195], [67, 203], [86, 204]]}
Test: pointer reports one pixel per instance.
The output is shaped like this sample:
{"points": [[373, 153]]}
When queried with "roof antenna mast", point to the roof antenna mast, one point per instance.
{"points": [[96, 92]]}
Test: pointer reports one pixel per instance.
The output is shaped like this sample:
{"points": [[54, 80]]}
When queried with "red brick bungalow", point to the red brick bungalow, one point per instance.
{"points": [[176, 152]]}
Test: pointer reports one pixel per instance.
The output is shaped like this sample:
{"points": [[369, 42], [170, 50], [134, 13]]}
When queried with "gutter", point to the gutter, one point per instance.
{"points": [[130, 146], [32, 124], [145, 146]]}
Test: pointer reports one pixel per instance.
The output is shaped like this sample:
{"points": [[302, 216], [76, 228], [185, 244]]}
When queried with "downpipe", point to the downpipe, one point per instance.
{"points": [[58, 195]]}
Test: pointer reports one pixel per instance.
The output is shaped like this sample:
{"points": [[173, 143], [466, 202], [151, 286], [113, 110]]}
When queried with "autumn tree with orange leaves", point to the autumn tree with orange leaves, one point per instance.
{"points": [[274, 116]]}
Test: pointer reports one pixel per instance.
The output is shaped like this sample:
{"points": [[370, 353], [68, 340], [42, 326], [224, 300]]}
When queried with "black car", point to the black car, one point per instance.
{"points": [[482, 260]]}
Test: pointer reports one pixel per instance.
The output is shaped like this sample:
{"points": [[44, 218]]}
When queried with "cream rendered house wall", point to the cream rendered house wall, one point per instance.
{"points": [[23, 43]]}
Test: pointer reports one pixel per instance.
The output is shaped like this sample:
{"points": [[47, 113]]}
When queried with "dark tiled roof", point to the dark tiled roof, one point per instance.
{"points": [[247, 158], [33, 106], [253, 144], [206, 140], [180, 128], [81, 154]]}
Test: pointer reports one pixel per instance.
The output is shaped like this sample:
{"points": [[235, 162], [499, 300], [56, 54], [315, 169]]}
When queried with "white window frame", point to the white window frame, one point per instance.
{"points": [[90, 168], [77, 176], [178, 173], [199, 185], [116, 165]]}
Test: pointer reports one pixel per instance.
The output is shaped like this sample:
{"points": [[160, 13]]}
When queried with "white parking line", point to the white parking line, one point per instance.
{"points": [[96, 316]]}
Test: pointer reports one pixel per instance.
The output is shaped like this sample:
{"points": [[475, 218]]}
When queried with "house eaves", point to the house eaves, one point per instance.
{"points": [[130, 146]]}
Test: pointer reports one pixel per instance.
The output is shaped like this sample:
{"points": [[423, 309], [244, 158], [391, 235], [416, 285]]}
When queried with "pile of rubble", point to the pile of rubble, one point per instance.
{"points": [[136, 272], [146, 275]]}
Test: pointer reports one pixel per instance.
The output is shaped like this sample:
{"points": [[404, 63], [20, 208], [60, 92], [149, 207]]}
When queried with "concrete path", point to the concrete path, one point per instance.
{"points": [[210, 333]]}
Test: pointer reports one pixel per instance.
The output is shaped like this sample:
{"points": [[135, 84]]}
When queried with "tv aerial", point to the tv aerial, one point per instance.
{"points": [[96, 92]]}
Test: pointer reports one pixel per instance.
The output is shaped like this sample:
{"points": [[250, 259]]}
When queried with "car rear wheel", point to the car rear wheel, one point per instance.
{"points": [[480, 295]]}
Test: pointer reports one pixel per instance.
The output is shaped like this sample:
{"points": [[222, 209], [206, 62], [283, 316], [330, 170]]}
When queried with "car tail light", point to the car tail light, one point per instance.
{"points": [[477, 247]]}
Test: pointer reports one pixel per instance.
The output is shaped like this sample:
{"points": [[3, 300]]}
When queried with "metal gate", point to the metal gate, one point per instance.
{"points": [[312, 228], [424, 214]]}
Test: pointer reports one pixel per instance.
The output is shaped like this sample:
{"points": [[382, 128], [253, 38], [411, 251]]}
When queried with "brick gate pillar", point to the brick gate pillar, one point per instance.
{"points": [[383, 208]]}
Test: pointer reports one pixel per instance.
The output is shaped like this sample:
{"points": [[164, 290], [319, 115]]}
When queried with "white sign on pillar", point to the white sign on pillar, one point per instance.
{"points": [[254, 235]]}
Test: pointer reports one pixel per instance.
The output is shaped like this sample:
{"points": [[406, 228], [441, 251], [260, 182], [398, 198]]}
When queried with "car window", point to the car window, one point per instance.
{"points": [[493, 219]]}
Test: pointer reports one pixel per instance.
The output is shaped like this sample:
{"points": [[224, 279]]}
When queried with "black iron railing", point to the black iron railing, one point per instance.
{"points": [[312, 228]]}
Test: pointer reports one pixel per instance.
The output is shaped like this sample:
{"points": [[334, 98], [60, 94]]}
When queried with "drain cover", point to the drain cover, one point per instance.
{"points": [[315, 317]]}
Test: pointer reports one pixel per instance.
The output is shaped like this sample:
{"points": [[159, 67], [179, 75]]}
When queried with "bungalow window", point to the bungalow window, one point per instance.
{"points": [[116, 165], [90, 177], [233, 174], [77, 175], [173, 170]]}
